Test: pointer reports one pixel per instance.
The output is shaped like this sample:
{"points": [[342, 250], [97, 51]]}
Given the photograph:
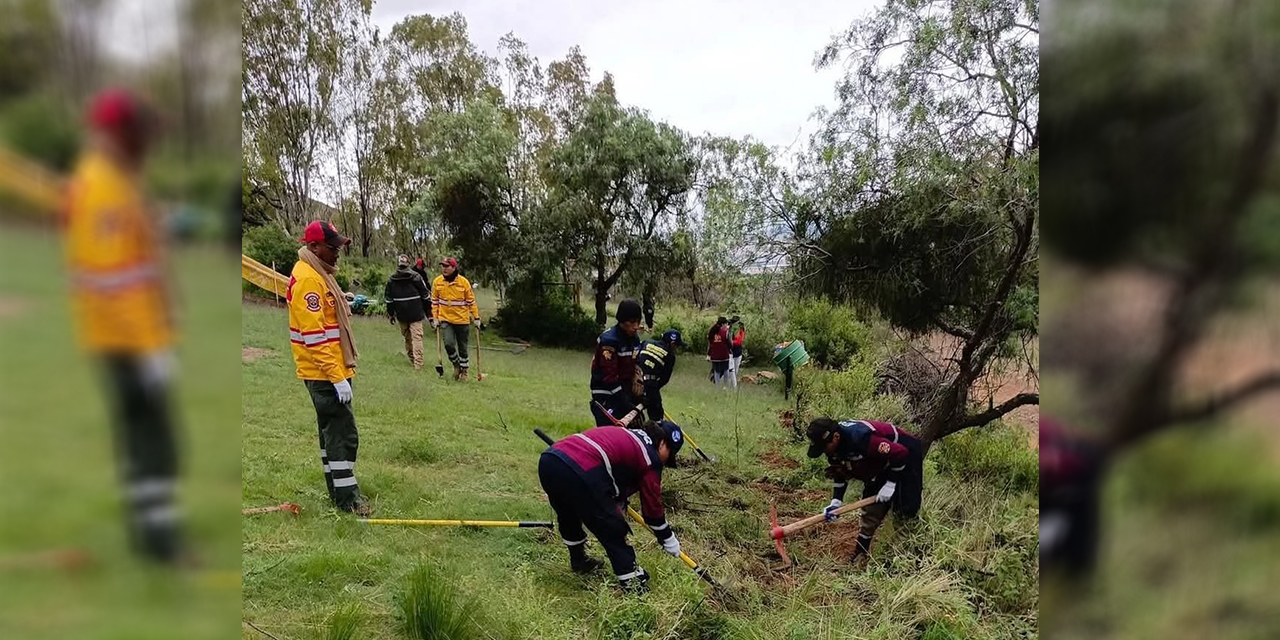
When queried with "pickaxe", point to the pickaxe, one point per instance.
{"points": [[283, 506], [684, 557], [624, 420], [696, 448], [778, 532]]}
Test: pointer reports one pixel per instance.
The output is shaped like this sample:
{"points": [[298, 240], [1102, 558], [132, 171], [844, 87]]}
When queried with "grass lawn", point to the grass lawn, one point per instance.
{"points": [[60, 474], [433, 448]]}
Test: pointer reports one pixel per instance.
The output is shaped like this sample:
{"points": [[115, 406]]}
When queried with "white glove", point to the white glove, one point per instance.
{"points": [[476, 322], [351, 297], [158, 368], [344, 391], [671, 546], [836, 503], [886, 492], [435, 324]]}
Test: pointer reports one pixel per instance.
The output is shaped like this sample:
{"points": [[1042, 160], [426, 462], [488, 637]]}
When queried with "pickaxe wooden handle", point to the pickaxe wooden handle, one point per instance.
{"points": [[625, 420], [283, 506], [778, 533]]}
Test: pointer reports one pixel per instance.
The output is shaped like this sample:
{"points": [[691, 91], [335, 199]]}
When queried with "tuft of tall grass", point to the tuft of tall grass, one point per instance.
{"points": [[344, 621], [432, 608]]}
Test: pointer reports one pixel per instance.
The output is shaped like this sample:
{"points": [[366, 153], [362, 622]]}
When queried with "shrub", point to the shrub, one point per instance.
{"points": [[40, 128], [373, 278], [996, 454], [545, 315], [269, 243], [835, 394], [831, 333]]}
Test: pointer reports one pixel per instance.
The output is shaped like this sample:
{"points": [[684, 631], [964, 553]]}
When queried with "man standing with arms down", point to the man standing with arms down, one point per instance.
{"points": [[325, 352], [453, 309], [406, 296], [124, 315]]}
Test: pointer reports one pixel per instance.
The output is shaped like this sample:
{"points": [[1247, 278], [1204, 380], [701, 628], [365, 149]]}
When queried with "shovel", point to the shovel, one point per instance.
{"points": [[521, 524], [479, 369]]}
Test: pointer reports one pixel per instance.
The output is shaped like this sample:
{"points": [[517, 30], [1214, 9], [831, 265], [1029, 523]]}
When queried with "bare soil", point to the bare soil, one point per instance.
{"points": [[249, 354]]}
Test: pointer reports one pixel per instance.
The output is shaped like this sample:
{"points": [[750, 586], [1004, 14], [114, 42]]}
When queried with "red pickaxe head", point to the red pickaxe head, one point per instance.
{"points": [[777, 533]]}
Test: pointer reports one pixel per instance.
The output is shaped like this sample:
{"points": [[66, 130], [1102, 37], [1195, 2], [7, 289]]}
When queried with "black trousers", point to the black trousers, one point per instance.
{"points": [[653, 403], [577, 505], [906, 495], [147, 455], [339, 442]]}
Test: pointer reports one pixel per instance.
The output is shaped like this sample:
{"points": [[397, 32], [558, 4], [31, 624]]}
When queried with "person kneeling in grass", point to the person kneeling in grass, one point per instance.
{"points": [[889, 461], [588, 478]]}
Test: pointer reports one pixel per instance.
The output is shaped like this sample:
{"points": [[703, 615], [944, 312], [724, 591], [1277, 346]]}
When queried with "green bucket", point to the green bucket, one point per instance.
{"points": [[794, 352]]}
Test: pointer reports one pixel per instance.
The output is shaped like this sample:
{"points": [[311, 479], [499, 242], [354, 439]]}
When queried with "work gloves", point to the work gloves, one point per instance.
{"points": [[829, 512], [886, 492], [476, 322], [434, 323], [344, 391], [157, 368], [671, 545]]}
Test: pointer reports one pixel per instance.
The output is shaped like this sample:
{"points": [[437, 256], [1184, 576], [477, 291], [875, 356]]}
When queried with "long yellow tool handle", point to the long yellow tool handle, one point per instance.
{"points": [[821, 517], [30, 181], [695, 446], [263, 276], [702, 573], [457, 523]]}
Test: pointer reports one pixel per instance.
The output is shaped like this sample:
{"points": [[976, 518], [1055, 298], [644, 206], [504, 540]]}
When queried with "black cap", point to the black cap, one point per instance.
{"points": [[820, 433], [674, 438], [673, 336], [628, 311]]}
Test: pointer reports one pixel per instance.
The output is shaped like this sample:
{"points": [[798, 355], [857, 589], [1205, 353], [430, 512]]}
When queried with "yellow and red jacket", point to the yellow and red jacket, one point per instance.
{"points": [[313, 327], [112, 244], [453, 302]]}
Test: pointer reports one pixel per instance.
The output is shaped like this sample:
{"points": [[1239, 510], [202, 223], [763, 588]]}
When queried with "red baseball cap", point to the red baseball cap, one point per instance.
{"points": [[419, 263], [322, 231], [453, 262], [117, 110]]}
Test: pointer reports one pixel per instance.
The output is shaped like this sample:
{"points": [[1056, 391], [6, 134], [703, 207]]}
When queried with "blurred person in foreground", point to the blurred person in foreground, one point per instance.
{"points": [[123, 312], [325, 352], [1070, 486]]}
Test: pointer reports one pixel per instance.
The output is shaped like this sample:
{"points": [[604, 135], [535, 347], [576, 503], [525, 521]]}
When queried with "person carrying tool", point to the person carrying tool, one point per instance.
{"points": [[739, 335], [325, 352], [453, 309], [123, 313], [406, 296], [613, 366], [656, 361], [888, 461], [588, 478], [718, 350]]}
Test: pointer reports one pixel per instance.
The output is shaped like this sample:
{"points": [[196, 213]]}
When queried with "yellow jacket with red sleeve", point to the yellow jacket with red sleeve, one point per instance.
{"points": [[453, 302], [112, 245], [313, 327]]}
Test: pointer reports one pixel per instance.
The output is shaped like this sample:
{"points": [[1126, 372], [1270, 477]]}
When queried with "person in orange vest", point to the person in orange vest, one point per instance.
{"points": [[453, 309], [122, 313], [325, 351]]}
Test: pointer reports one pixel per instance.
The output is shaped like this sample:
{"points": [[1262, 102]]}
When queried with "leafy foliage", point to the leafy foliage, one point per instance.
{"points": [[270, 245]]}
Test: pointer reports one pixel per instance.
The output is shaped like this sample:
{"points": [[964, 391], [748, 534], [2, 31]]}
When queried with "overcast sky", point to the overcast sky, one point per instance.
{"points": [[729, 67]]}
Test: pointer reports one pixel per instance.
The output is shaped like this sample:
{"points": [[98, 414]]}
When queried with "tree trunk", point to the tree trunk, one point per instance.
{"points": [[602, 289]]}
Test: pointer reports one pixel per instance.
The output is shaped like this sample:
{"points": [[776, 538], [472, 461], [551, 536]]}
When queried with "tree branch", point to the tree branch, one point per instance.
{"points": [[959, 332], [1225, 401], [979, 419]]}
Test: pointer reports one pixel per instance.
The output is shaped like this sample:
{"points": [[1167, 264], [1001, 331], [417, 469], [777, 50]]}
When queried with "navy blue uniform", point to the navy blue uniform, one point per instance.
{"points": [[613, 371], [656, 362]]}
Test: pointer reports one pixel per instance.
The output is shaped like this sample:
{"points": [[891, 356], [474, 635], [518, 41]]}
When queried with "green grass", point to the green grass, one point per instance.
{"points": [[60, 474], [433, 448]]}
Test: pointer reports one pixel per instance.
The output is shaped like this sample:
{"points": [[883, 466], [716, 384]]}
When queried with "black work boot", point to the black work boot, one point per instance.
{"points": [[638, 584], [580, 562], [861, 551]]}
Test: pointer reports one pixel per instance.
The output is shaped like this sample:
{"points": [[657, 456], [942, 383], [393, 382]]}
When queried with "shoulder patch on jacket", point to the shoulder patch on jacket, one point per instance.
{"points": [[313, 301], [884, 447]]}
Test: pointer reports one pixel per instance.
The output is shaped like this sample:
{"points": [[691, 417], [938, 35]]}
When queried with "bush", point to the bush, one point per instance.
{"points": [[997, 454], [268, 244], [40, 128], [835, 394], [831, 333], [544, 315], [373, 279]]}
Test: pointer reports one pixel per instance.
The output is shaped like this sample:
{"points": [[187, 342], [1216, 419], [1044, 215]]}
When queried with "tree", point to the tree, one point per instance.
{"points": [[1173, 175], [613, 180], [290, 63], [925, 183]]}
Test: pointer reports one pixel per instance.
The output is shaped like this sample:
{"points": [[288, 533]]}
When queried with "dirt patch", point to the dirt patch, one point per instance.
{"points": [[249, 354], [11, 307], [775, 460]]}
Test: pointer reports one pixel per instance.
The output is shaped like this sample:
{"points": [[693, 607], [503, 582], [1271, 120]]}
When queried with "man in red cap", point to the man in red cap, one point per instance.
{"points": [[324, 350], [453, 308], [121, 309]]}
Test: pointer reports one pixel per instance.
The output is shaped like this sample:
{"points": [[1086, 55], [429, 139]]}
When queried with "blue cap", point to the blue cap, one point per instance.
{"points": [[674, 438], [673, 335]]}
